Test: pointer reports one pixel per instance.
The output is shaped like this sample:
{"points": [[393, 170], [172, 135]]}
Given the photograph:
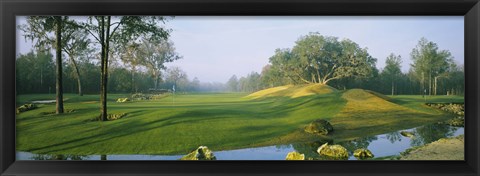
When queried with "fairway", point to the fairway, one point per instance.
{"points": [[177, 124]]}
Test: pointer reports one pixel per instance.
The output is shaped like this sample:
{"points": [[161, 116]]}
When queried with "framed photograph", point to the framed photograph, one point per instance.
{"points": [[239, 87]]}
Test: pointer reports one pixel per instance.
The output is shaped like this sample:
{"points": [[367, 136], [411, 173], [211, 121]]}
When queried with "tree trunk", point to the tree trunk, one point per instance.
{"points": [[392, 88], [133, 80], [77, 74], [107, 51], [104, 64], [430, 83], [59, 88], [156, 80]]}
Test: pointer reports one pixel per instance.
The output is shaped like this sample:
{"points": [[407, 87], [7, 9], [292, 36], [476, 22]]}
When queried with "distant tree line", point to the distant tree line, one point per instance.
{"points": [[343, 64]]}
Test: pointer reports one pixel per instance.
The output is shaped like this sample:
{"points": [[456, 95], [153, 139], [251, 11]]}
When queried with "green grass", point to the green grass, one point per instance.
{"points": [[178, 124]]}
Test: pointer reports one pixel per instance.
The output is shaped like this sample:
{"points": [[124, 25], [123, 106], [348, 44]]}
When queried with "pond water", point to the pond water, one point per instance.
{"points": [[383, 145]]}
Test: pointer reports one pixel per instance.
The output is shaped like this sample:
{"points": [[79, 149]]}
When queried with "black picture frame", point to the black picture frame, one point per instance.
{"points": [[470, 9]]}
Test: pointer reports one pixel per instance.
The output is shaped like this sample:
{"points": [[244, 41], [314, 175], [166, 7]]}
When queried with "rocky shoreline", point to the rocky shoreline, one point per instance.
{"points": [[442, 149]]}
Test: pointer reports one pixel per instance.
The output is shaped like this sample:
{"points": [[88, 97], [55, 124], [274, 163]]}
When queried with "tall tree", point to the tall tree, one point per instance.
{"points": [[429, 62], [39, 29], [392, 69], [75, 44], [58, 54], [155, 54], [175, 74], [131, 57], [233, 83], [321, 59], [120, 30]]}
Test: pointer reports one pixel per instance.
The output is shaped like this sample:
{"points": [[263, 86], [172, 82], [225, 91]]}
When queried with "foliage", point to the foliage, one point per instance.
{"points": [[319, 59]]}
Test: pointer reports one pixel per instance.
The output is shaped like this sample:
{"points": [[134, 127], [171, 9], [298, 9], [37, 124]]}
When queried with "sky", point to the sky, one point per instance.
{"points": [[215, 48]]}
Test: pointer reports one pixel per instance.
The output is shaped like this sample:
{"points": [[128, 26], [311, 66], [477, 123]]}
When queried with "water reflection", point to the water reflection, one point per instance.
{"points": [[380, 145], [394, 136], [58, 157], [430, 133]]}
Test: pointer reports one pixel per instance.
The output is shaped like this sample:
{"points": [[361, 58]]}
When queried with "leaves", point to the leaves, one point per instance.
{"points": [[319, 59]]}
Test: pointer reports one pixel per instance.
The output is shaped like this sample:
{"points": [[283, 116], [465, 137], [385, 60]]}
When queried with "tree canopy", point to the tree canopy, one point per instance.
{"points": [[320, 59]]}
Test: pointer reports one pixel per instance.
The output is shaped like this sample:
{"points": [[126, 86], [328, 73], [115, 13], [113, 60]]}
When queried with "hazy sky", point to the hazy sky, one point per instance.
{"points": [[215, 48]]}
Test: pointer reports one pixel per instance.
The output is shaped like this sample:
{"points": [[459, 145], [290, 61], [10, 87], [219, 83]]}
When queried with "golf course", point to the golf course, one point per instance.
{"points": [[179, 123], [237, 88]]}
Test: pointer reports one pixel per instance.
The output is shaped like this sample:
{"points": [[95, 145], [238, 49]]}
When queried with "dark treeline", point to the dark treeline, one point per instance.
{"points": [[36, 74], [343, 64]]}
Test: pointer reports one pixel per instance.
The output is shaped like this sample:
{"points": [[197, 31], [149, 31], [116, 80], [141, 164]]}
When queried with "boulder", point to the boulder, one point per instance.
{"points": [[363, 153], [334, 151], [320, 126], [26, 107], [407, 134], [202, 153], [122, 100], [295, 156], [457, 122], [115, 116]]}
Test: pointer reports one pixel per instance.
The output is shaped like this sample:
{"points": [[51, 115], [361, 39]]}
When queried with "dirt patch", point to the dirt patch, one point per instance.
{"points": [[443, 149]]}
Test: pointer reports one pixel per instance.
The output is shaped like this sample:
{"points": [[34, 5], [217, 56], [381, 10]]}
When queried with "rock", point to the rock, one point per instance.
{"points": [[457, 122], [26, 107], [122, 100], [295, 156], [140, 96], [407, 134], [320, 126], [115, 116], [334, 151], [362, 153], [202, 153]]}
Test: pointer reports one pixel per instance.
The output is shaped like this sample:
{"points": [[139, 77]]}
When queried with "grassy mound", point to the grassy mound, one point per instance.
{"points": [[370, 113], [293, 91]]}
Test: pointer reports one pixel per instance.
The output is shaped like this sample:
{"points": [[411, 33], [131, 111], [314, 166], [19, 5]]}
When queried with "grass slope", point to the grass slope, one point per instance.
{"points": [[167, 126], [293, 91], [178, 124], [371, 113]]}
